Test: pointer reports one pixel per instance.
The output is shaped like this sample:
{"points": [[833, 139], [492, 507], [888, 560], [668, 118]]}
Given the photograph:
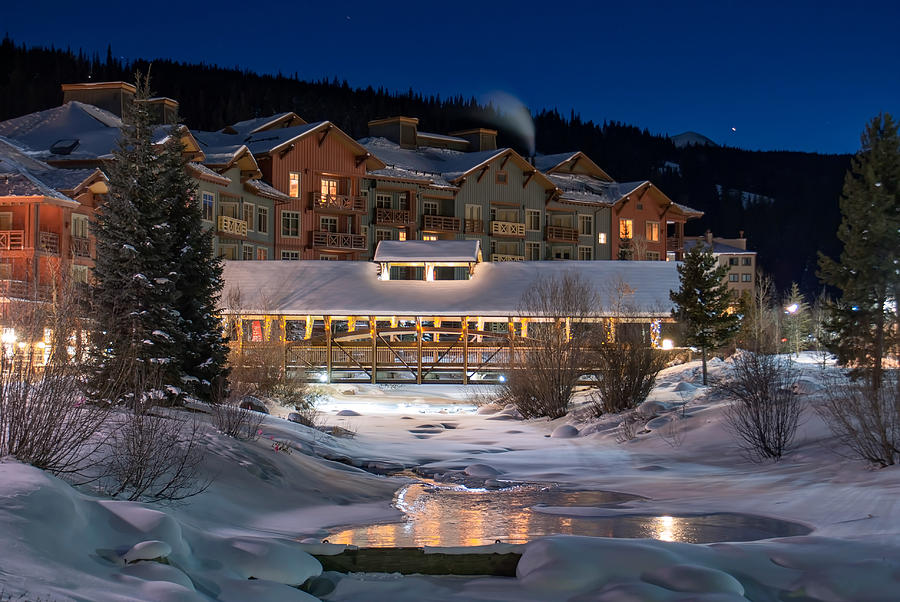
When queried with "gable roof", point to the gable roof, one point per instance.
{"points": [[568, 163], [421, 251], [258, 124], [221, 151], [267, 142], [22, 176]]}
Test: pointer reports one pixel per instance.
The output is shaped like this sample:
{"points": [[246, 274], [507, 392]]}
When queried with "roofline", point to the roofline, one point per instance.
{"points": [[400, 118], [120, 85], [500, 153], [586, 158], [328, 124], [475, 131], [42, 198], [202, 175]]}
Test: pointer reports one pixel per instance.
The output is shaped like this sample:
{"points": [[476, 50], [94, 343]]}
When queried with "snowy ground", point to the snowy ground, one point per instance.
{"points": [[59, 543]]}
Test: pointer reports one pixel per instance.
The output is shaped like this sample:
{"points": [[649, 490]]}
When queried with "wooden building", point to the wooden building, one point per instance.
{"points": [[731, 252]]}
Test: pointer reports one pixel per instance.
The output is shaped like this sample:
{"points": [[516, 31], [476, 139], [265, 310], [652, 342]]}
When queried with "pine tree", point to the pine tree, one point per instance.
{"points": [[134, 294], [865, 319], [797, 319], [703, 303], [202, 349]]}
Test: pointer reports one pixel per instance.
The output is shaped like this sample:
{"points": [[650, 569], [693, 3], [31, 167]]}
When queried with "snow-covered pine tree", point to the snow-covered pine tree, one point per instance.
{"points": [[797, 320], [865, 319], [202, 350], [135, 318], [703, 301]]}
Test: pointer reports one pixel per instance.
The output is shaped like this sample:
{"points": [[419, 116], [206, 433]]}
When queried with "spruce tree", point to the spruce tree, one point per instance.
{"points": [[797, 320], [703, 302], [865, 318]]}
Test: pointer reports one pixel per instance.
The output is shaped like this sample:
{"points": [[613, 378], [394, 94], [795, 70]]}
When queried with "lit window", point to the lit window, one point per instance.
{"points": [[653, 231], [209, 206], [290, 224], [262, 253], [586, 225], [601, 238], [401, 235], [626, 229], [424, 236], [294, 184], [329, 187]]}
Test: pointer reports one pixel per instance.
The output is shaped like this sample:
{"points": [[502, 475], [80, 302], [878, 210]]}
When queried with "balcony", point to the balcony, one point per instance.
{"points": [[338, 203], [675, 243], [22, 289], [48, 242], [474, 226], [561, 234], [12, 240], [338, 240], [81, 247], [440, 223], [512, 229], [388, 217], [502, 257], [232, 226]]}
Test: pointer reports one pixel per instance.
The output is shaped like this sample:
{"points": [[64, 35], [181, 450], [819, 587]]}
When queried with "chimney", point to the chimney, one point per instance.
{"points": [[401, 130], [708, 236], [111, 96], [480, 139]]}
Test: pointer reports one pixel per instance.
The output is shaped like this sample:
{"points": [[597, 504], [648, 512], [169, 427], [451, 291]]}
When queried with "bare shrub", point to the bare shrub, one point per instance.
{"points": [[865, 419], [626, 373], [673, 432], [627, 429], [234, 421], [766, 412]]}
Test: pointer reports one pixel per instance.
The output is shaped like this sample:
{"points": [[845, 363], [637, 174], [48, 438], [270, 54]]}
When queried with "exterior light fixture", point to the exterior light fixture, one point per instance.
{"points": [[502, 378], [667, 344], [792, 308]]}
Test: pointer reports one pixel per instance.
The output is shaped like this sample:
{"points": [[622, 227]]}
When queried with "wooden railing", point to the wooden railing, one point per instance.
{"points": [[474, 226], [507, 229], [674, 243], [23, 289], [12, 240], [338, 240], [338, 202], [440, 223], [81, 247], [561, 234], [232, 225], [504, 257], [391, 216], [48, 242]]}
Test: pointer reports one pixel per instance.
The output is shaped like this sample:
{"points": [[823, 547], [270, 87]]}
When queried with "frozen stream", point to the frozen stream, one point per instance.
{"points": [[442, 515]]}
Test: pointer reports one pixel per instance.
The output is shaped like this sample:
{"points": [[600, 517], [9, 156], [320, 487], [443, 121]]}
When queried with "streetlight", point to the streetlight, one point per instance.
{"points": [[792, 308]]}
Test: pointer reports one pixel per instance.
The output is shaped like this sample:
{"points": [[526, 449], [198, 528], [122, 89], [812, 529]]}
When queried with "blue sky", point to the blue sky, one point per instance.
{"points": [[786, 76]]}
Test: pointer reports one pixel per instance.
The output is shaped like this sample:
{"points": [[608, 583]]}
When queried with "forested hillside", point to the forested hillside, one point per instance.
{"points": [[786, 202]]}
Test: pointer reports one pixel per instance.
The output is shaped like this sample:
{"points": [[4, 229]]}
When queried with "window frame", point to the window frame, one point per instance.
{"points": [[501, 177], [289, 214], [652, 231], [80, 218], [381, 197], [329, 219], [629, 223], [211, 196], [294, 181], [529, 213], [585, 218], [585, 250], [262, 220], [433, 205], [745, 277], [530, 246], [244, 252], [262, 254], [251, 208], [383, 234], [291, 255]]}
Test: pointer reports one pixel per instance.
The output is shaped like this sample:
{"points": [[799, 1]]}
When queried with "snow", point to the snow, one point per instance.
{"points": [[60, 543]]}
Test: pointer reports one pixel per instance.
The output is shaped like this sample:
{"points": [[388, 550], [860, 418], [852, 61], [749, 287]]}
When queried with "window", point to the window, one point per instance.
{"points": [[328, 223], [732, 261], [6, 220], [626, 228], [585, 253], [532, 220], [364, 230], [79, 226], [585, 225], [290, 224], [746, 277], [401, 235], [325, 257], [473, 211], [383, 201], [652, 255], [562, 253], [382, 234], [229, 210], [262, 220], [262, 253], [290, 255], [501, 177], [533, 251], [601, 238], [427, 236], [208, 210], [429, 208], [248, 215], [732, 277], [228, 251], [329, 187], [747, 261], [247, 253], [81, 274], [653, 231], [294, 184], [404, 201]]}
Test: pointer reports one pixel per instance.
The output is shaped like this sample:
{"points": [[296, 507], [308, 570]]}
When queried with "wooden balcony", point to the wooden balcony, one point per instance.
{"points": [[12, 240], [561, 234], [22, 289], [474, 226], [440, 223], [389, 217], [338, 240], [502, 257], [338, 203], [48, 242], [675, 243], [511, 229], [81, 247], [232, 226]]}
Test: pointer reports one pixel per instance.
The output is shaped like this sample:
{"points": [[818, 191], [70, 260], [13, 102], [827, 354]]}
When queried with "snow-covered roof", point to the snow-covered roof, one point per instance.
{"points": [[547, 162], [21, 175], [251, 126], [205, 173], [265, 189], [444, 137], [450, 251], [219, 149], [268, 140], [718, 248], [352, 288], [585, 189]]}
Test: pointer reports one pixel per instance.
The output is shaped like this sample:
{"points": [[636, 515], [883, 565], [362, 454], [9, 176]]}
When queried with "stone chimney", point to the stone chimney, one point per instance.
{"points": [[401, 130], [480, 139]]}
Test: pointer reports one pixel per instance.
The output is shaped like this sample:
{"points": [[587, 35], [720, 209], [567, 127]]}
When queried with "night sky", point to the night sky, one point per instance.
{"points": [[788, 75]]}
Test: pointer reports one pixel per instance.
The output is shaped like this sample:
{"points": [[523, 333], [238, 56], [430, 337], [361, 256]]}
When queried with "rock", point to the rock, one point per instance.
{"points": [[348, 413], [481, 470], [564, 431], [147, 550], [252, 403]]}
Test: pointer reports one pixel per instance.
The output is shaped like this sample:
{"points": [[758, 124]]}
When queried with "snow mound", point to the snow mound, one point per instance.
{"points": [[147, 550], [488, 410], [695, 579], [805, 386], [564, 431], [348, 413], [685, 386], [481, 470]]}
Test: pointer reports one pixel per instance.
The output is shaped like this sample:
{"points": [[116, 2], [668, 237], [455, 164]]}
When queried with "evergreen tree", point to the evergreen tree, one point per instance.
{"points": [[703, 302], [134, 295], [865, 318], [797, 320]]}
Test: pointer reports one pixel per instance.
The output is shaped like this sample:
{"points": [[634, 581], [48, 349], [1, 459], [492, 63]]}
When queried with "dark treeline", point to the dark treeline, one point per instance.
{"points": [[786, 202]]}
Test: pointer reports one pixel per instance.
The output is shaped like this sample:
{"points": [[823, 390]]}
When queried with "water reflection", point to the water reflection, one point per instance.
{"points": [[456, 516]]}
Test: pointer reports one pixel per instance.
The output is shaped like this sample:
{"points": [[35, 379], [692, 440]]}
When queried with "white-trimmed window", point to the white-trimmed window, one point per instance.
{"points": [[746, 277], [80, 225], [262, 220], [326, 257], [290, 224], [429, 208], [248, 215], [533, 251], [329, 187], [208, 208], [732, 277], [328, 223], [532, 220], [652, 255], [401, 234], [653, 231], [262, 253], [626, 228], [403, 199], [585, 225], [382, 234], [585, 253], [290, 255], [383, 201], [294, 184], [601, 238], [247, 253]]}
